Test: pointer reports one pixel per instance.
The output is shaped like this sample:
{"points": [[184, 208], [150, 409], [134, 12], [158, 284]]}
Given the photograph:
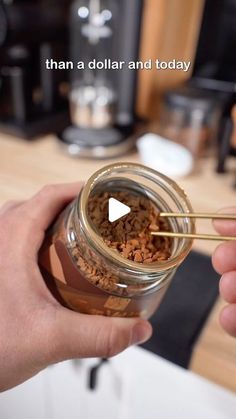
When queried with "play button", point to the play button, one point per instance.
{"points": [[117, 210]]}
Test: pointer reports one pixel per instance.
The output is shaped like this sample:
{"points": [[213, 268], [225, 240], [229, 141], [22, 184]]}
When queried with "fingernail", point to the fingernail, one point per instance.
{"points": [[142, 331]]}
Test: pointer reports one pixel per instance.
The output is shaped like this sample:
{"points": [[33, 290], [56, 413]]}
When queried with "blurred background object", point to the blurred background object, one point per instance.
{"points": [[102, 99], [31, 101], [204, 33], [215, 66], [191, 116], [165, 156]]}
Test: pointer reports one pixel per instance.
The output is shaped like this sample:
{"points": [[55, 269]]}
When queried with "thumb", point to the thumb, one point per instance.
{"points": [[81, 335]]}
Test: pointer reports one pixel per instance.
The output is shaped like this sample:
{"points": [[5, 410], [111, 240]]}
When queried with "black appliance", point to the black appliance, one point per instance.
{"points": [[215, 66], [32, 98]]}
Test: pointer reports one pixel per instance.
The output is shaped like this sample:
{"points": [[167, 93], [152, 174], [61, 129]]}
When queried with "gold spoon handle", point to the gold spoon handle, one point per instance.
{"points": [[193, 236], [198, 215]]}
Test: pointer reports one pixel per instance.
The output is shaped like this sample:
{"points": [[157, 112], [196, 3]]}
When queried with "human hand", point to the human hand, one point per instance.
{"points": [[35, 330], [224, 262]]}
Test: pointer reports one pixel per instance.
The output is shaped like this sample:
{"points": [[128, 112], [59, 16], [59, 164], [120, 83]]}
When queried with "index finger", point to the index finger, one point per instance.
{"points": [[226, 227]]}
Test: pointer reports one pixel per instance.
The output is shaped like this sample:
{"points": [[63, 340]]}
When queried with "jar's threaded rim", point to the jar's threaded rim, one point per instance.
{"points": [[97, 241]]}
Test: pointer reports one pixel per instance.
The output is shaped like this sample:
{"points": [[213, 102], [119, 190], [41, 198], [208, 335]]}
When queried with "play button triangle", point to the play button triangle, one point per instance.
{"points": [[117, 210]]}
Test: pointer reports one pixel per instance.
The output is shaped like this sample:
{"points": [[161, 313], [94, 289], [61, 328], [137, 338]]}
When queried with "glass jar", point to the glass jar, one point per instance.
{"points": [[190, 116], [88, 276]]}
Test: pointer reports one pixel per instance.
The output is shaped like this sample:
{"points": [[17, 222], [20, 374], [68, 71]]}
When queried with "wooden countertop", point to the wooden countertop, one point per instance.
{"points": [[27, 166]]}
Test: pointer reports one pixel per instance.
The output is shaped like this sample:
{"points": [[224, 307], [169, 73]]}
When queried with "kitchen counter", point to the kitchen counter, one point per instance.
{"points": [[27, 166]]}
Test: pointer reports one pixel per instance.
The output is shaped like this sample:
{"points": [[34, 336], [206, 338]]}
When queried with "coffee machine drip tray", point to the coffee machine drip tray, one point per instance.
{"points": [[96, 143]]}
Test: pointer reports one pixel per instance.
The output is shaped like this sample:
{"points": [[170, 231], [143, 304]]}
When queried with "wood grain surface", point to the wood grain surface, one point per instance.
{"points": [[170, 31]]}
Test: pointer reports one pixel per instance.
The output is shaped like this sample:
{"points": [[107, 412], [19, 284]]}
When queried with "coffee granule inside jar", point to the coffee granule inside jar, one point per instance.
{"points": [[131, 235]]}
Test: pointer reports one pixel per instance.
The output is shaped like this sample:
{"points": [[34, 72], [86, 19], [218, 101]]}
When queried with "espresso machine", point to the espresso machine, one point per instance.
{"points": [[102, 98], [33, 100]]}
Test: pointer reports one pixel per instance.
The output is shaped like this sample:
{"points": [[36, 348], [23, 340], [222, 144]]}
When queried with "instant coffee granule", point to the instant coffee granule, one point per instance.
{"points": [[131, 235]]}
